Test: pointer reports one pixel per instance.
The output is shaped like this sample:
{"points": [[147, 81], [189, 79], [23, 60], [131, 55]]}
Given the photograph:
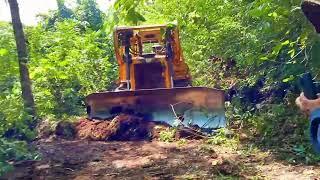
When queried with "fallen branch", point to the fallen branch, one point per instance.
{"points": [[182, 127]]}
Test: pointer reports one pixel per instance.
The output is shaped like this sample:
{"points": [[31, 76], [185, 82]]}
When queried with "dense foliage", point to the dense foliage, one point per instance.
{"points": [[70, 57], [69, 62], [257, 48]]}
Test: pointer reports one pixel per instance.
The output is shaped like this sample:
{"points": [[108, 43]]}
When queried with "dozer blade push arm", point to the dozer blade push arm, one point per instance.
{"points": [[124, 38], [169, 54]]}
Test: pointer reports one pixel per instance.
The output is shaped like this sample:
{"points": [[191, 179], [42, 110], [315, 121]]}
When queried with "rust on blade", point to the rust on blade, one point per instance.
{"points": [[198, 96]]}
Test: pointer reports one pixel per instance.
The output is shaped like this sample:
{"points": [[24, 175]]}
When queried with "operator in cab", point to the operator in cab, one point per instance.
{"points": [[311, 9]]}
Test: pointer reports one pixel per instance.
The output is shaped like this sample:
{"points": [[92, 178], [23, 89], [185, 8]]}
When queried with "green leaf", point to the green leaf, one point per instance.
{"points": [[273, 14], [3, 52], [288, 79], [292, 53], [134, 16], [277, 49], [285, 43], [264, 58]]}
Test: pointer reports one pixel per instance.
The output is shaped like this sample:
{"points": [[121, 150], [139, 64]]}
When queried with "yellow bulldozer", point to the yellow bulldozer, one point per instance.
{"points": [[155, 82]]}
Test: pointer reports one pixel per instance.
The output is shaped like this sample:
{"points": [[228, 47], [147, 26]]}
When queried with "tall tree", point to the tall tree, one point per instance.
{"points": [[88, 11], [20, 39]]}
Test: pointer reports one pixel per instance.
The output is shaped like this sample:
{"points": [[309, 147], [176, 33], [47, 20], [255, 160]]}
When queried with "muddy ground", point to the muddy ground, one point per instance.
{"points": [[83, 159]]}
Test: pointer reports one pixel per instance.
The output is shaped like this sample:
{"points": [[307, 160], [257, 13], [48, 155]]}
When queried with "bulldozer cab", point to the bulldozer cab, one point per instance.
{"points": [[150, 57]]}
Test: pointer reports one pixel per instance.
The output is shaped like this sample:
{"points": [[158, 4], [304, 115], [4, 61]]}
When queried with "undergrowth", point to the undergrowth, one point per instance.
{"points": [[167, 136], [279, 128], [225, 137], [13, 151]]}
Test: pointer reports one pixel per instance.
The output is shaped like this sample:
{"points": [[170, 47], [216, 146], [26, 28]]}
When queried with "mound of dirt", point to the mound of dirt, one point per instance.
{"points": [[121, 128], [47, 129], [66, 130]]}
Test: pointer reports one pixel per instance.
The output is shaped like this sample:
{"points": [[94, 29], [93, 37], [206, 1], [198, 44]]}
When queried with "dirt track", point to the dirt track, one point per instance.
{"points": [[83, 160]]}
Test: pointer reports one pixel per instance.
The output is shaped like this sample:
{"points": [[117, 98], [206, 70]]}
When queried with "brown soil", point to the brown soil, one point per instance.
{"points": [[82, 159], [73, 151], [121, 128]]}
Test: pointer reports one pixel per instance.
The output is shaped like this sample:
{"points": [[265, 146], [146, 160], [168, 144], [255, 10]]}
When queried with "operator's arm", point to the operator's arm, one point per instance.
{"points": [[307, 105], [311, 9]]}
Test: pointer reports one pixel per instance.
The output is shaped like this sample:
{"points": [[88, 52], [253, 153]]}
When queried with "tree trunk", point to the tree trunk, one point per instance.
{"points": [[25, 81]]}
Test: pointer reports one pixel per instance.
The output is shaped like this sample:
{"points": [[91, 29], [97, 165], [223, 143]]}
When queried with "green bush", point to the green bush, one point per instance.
{"points": [[12, 151], [167, 136], [283, 129], [67, 64]]}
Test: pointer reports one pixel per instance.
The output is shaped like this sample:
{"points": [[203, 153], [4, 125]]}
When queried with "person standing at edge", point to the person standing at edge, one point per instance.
{"points": [[311, 9]]}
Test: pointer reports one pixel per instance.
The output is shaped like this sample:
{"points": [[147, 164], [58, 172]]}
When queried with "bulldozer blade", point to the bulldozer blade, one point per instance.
{"points": [[199, 106]]}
